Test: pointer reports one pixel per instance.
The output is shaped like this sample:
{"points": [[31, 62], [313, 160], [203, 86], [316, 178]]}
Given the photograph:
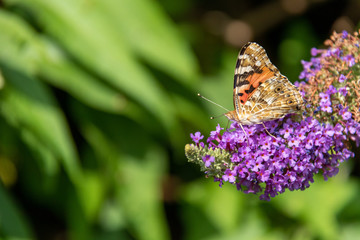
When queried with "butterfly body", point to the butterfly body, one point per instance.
{"points": [[261, 93]]}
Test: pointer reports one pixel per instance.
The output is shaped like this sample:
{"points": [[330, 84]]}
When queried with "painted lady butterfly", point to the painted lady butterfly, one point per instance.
{"points": [[261, 93]]}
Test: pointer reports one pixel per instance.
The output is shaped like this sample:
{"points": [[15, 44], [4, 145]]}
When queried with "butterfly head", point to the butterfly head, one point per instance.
{"points": [[232, 115]]}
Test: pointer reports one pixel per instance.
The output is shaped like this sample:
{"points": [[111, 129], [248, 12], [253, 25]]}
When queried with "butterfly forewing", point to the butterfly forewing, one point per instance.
{"points": [[261, 93], [253, 67]]}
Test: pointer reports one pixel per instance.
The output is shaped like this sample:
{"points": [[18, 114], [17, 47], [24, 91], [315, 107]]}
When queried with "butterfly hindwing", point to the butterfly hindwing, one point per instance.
{"points": [[274, 99]]}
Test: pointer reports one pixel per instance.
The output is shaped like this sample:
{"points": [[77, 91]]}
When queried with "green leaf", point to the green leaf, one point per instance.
{"points": [[351, 231], [318, 206], [152, 35], [137, 183], [28, 105], [34, 54], [211, 199], [211, 212], [91, 193], [93, 42], [141, 194], [59, 71], [22, 48], [13, 225]]}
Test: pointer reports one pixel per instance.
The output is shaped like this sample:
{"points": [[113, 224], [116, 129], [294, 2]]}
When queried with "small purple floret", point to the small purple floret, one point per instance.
{"points": [[342, 78], [196, 137], [208, 160]]}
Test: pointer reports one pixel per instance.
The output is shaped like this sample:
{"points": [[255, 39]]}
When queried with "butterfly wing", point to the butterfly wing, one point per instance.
{"points": [[253, 68], [261, 93], [274, 99]]}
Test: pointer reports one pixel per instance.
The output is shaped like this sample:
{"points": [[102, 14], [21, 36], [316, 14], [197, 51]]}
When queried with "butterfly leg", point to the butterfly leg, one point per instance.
{"points": [[247, 138], [227, 126], [268, 131]]}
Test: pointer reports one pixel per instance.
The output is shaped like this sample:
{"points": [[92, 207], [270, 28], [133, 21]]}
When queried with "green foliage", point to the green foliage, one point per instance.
{"points": [[97, 100], [119, 109], [12, 222]]}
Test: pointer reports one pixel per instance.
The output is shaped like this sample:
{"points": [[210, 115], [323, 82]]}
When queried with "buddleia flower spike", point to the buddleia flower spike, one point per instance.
{"points": [[306, 143]]}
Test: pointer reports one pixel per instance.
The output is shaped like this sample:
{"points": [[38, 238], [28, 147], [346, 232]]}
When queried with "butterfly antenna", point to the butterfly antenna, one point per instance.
{"points": [[212, 102], [213, 117], [247, 138]]}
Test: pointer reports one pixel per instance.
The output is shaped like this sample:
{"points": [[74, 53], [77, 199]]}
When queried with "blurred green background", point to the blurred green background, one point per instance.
{"points": [[98, 98]]}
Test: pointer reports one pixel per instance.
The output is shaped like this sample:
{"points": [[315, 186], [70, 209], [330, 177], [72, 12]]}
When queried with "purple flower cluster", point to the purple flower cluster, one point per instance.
{"points": [[289, 161], [331, 80], [316, 63], [316, 142], [310, 68]]}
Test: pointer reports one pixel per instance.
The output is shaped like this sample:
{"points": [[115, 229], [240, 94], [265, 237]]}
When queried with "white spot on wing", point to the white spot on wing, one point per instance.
{"points": [[248, 103], [244, 56], [253, 46], [245, 69], [256, 94]]}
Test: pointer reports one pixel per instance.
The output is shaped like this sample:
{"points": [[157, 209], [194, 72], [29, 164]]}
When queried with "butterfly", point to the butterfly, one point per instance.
{"points": [[261, 93]]}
